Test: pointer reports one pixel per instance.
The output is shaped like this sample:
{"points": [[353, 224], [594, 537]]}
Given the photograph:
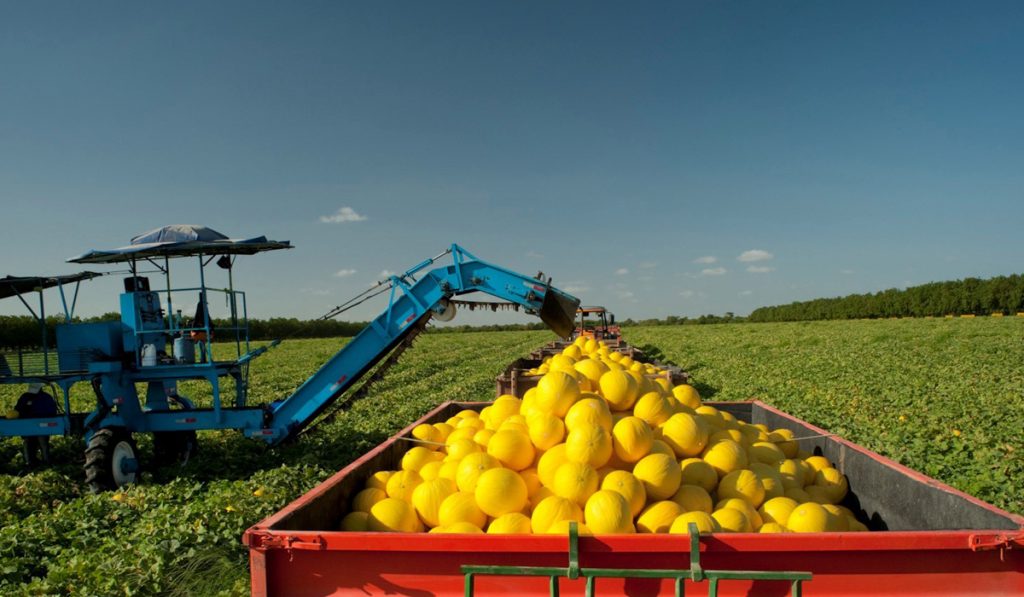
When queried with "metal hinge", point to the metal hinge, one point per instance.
{"points": [[290, 543], [999, 541]]}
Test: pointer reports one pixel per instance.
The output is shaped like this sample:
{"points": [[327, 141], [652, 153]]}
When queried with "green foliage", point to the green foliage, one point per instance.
{"points": [[1002, 294]]}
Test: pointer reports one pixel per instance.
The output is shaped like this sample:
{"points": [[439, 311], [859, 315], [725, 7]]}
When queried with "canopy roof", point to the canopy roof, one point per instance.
{"points": [[15, 285], [181, 240]]}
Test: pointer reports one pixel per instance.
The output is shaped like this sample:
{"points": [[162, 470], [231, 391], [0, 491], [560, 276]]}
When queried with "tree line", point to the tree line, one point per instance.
{"points": [[1002, 294]]}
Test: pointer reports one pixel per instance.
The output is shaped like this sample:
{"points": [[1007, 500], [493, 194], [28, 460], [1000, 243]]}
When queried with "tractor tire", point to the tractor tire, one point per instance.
{"points": [[105, 460], [174, 447]]}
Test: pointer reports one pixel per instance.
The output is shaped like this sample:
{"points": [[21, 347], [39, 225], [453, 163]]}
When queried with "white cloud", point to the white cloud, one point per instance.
{"points": [[344, 214], [385, 273], [535, 255], [621, 271], [687, 294], [344, 273], [706, 259], [575, 287], [746, 292], [755, 255], [760, 269], [713, 271]]}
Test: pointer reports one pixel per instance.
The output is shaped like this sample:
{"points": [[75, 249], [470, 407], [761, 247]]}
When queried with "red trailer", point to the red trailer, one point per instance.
{"points": [[928, 539]]}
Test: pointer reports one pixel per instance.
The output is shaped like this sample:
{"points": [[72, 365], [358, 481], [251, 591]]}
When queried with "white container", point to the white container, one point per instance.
{"points": [[148, 355], [184, 350]]}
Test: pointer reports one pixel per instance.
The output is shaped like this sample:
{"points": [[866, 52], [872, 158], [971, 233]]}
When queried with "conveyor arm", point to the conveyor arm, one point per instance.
{"points": [[415, 296]]}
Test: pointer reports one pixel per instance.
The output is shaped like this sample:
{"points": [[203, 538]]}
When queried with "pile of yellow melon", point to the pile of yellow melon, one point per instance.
{"points": [[601, 443]]}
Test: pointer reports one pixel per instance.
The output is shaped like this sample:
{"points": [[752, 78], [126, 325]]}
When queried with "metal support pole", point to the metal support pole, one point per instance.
{"points": [[171, 324]]}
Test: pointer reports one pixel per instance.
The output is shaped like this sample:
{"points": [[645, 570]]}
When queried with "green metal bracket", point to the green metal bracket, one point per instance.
{"points": [[573, 571]]}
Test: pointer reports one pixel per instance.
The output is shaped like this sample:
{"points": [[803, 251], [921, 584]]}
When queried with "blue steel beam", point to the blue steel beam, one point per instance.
{"points": [[416, 302]]}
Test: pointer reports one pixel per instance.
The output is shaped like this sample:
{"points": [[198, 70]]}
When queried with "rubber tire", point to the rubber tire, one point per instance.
{"points": [[174, 447], [99, 455]]}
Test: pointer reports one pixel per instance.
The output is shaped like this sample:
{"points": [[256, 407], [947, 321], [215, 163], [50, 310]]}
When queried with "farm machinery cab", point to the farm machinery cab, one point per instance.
{"points": [[154, 348], [596, 323]]}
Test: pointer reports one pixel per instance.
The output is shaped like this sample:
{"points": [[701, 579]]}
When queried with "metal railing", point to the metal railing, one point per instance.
{"points": [[696, 572]]}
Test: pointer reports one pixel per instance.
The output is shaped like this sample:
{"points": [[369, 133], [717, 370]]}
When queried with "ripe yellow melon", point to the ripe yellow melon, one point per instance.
{"points": [[777, 510], [557, 391], [744, 506], [552, 510], [653, 408], [379, 480], [428, 497], [513, 449], [513, 523], [549, 463], [833, 482], [743, 484], [461, 448], [463, 528], [620, 389], [627, 485], [355, 522], [607, 512], [770, 479], [592, 370], [532, 480], [501, 491], [772, 527], [660, 475], [697, 472], [705, 523], [726, 456], [732, 520], [470, 469], [765, 452], [783, 438], [693, 499], [461, 506], [711, 417], [631, 439], [658, 517], [837, 520], [685, 434], [791, 473], [393, 515], [365, 499], [402, 483], [590, 409], [591, 444], [575, 481], [808, 518], [428, 433], [687, 395], [546, 430]]}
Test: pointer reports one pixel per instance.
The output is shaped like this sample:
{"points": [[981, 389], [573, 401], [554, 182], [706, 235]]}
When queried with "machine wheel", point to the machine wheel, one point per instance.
{"points": [[111, 460], [174, 447]]}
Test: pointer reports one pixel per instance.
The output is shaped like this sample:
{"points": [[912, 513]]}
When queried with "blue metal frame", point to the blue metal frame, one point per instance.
{"points": [[414, 296], [418, 299]]}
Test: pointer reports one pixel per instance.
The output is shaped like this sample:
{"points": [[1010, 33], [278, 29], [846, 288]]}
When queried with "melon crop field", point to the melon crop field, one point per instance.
{"points": [[945, 397]]}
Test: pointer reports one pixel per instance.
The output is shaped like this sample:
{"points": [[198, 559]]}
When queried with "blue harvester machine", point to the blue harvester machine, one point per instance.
{"points": [[156, 349]]}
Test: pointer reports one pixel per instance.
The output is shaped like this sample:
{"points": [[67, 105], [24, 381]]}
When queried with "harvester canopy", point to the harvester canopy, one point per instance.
{"points": [[181, 240], [17, 285]]}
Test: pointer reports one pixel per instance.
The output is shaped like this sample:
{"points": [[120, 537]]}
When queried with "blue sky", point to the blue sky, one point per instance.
{"points": [[853, 146]]}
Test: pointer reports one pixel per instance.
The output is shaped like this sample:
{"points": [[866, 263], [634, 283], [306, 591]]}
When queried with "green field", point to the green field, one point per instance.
{"points": [[942, 396]]}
